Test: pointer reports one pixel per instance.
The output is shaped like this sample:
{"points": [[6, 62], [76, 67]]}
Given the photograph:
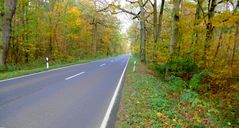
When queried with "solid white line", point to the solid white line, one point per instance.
{"points": [[112, 102], [102, 64], [74, 76]]}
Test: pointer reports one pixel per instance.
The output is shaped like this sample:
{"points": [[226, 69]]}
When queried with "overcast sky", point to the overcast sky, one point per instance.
{"points": [[126, 19]]}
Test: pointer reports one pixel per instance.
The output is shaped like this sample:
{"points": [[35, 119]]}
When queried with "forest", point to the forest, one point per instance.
{"points": [[174, 35], [193, 44], [185, 37], [58, 29]]}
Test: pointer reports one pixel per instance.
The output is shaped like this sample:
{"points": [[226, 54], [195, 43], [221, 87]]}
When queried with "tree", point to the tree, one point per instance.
{"points": [[9, 11], [175, 26], [157, 25], [236, 41], [142, 18]]}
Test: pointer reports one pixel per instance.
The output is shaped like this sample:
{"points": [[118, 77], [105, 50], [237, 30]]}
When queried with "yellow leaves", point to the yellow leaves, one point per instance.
{"points": [[159, 114], [73, 36], [59, 7], [225, 19], [78, 22], [74, 11], [197, 119], [106, 38]]}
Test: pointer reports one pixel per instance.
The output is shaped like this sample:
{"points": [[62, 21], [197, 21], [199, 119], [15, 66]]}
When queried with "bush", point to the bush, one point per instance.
{"points": [[182, 67], [160, 68], [176, 82], [196, 82]]}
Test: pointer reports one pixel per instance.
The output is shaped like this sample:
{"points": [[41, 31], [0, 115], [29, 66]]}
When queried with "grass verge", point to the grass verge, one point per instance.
{"points": [[34, 67], [148, 102]]}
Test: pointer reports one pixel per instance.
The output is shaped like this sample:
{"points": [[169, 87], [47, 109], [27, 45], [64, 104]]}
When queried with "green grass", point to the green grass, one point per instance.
{"points": [[34, 67], [148, 101], [0, 55]]}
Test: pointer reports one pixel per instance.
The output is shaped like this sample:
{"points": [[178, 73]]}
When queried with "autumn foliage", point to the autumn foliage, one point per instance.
{"points": [[61, 30], [207, 39]]}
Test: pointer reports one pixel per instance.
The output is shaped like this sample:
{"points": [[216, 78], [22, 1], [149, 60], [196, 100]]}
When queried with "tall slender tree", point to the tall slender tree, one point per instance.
{"points": [[9, 11], [175, 26]]}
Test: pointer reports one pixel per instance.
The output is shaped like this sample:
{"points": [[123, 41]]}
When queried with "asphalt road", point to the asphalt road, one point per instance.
{"points": [[78, 96]]}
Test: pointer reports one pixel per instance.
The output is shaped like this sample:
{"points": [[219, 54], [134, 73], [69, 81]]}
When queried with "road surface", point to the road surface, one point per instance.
{"points": [[77, 96]]}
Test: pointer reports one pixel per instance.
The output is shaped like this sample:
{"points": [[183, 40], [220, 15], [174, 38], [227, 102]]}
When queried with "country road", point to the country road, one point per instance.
{"points": [[77, 96]]}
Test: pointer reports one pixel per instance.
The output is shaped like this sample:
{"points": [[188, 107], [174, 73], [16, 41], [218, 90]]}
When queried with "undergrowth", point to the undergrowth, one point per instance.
{"points": [[150, 101]]}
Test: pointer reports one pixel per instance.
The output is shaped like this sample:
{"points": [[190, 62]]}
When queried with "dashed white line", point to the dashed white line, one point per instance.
{"points": [[74, 75], [102, 65]]}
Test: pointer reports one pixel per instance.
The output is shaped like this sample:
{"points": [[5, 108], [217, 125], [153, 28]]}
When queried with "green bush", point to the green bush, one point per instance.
{"points": [[192, 97], [176, 82], [160, 68], [196, 81], [181, 67]]}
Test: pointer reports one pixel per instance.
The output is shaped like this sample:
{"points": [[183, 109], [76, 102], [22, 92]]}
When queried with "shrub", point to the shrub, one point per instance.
{"points": [[196, 81], [176, 82], [160, 68], [183, 68]]}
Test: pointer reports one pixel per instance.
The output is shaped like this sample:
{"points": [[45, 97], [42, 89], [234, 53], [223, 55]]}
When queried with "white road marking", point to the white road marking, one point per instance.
{"points": [[41, 72], [102, 65], [74, 75], [55, 69], [112, 102]]}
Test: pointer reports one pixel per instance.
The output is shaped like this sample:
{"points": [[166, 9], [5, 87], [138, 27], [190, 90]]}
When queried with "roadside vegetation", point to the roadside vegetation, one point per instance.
{"points": [[150, 100], [188, 52], [189, 70]]}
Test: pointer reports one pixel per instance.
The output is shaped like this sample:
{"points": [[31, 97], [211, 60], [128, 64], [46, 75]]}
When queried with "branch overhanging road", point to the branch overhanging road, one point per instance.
{"points": [[78, 96]]}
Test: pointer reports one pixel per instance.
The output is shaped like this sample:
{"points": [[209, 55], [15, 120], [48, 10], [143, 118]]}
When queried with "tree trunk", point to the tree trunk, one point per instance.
{"points": [[10, 7], [94, 36], [160, 18], [155, 23], [155, 20], [142, 33], [175, 30], [209, 33], [235, 44], [218, 47], [198, 16]]}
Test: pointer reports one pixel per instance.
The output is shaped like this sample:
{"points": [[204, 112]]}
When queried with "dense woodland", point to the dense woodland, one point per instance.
{"points": [[58, 29], [188, 38], [193, 44]]}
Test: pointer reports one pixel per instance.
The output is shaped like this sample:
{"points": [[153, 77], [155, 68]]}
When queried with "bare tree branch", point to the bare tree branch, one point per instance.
{"points": [[152, 4], [103, 9], [132, 2]]}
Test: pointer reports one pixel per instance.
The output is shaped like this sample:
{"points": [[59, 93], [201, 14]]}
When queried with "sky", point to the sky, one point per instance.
{"points": [[125, 19]]}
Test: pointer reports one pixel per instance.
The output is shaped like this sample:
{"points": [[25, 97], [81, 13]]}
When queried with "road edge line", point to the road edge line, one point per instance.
{"points": [[113, 99]]}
